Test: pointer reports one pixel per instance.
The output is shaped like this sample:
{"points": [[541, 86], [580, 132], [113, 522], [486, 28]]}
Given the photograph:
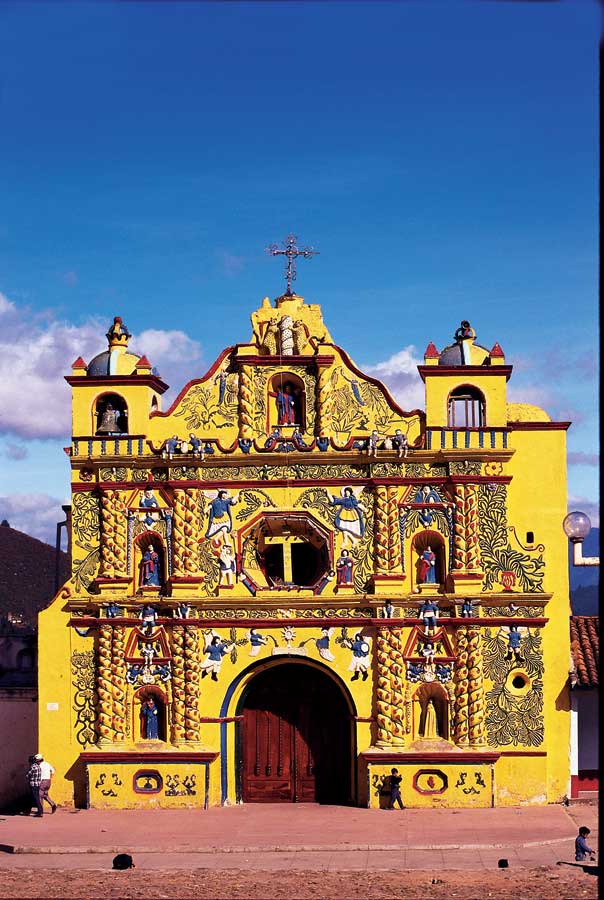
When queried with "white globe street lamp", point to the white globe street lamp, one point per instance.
{"points": [[577, 526]]}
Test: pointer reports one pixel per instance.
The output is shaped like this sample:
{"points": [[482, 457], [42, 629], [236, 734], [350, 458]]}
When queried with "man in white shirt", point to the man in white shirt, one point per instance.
{"points": [[46, 773]]}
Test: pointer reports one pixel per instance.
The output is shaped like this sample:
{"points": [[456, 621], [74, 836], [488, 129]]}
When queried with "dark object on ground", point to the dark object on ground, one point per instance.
{"points": [[123, 861], [502, 863]]}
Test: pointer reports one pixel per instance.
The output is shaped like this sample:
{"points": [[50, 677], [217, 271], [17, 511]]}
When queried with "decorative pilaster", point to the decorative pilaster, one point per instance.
{"points": [[394, 537], [120, 533], [390, 693], [178, 684], [108, 557], [186, 532], [460, 727], [192, 675], [466, 560], [104, 685], [118, 683], [246, 402], [324, 401], [476, 700], [381, 531]]}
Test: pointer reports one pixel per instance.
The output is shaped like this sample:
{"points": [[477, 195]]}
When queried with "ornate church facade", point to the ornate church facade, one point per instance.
{"points": [[285, 586]]}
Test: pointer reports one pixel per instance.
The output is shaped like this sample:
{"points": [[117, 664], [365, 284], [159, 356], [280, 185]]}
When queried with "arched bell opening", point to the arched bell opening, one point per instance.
{"points": [[110, 415]]}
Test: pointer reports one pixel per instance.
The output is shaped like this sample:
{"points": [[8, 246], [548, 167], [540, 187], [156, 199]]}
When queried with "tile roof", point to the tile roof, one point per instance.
{"points": [[585, 651]]}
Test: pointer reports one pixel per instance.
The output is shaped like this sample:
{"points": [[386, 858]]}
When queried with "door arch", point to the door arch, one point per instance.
{"points": [[295, 741]]}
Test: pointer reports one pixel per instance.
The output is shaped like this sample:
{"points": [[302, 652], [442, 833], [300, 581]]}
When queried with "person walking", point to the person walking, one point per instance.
{"points": [[34, 777], [46, 773], [395, 789], [581, 847]]}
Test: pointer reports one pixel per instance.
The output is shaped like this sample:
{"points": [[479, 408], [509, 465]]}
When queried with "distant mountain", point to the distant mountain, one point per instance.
{"points": [[585, 580]]}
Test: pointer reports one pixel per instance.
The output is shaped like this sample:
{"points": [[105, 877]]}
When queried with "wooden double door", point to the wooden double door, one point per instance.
{"points": [[295, 738]]}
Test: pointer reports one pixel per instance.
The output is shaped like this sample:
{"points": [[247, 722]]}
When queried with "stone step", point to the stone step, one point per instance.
{"points": [[588, 795]]}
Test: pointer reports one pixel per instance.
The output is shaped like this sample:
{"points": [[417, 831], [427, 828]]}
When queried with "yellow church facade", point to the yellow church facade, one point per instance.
{"points": [[284, 586]]}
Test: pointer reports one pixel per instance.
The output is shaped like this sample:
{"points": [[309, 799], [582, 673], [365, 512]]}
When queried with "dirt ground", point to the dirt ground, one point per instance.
{"points": [[562, 883]]}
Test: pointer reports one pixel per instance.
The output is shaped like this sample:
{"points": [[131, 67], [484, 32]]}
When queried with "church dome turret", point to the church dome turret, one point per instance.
{"points": [[116, 360]]}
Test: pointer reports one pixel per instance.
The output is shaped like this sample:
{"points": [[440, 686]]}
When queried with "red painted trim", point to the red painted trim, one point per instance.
{"points": [[91, 621], [220, 719], [463, 757], [284, 361], [586, 780], [167, 756], [465, 371], [523, 753], [110, 381], [241, 484], [540, 426], [475, 428]]}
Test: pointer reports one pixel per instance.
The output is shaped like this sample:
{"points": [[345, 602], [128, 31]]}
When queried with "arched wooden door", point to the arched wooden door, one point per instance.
{"points": [[295, 738]]}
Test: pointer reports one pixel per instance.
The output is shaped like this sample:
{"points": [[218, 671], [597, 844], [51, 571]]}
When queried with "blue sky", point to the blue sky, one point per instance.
{"points": [[442, 157]]}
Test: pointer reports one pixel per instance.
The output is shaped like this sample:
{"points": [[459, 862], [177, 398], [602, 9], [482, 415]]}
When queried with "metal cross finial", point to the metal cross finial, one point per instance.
{"points": [[291, 252]]}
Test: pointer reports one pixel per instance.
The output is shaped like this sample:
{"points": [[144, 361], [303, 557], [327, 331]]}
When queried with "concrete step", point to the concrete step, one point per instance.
{"points": [[588, 795]]}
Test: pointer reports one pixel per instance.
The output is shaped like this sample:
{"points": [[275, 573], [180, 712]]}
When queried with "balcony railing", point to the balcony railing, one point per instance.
{"points": [[467, 439]]}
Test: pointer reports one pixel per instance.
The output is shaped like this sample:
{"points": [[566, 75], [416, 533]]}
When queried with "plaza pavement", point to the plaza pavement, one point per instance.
{"points": [[306, 836]]}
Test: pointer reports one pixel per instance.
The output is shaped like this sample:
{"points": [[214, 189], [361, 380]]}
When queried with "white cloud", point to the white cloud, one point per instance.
{"points": [[36, 352], [6, 306], [399, 374], [35, 514]]}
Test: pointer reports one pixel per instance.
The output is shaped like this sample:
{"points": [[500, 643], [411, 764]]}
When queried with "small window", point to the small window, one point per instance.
{"points": [[466, 408]]}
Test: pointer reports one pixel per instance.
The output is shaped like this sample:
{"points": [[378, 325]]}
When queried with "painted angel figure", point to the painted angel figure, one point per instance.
{"points": [[349, 519], [257, 641], [220, 520], [359, 664], [322, 644], [215, 650]]}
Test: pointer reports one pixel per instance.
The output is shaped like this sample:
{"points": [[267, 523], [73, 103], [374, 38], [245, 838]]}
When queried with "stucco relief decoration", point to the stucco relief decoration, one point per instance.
{"points": [[320, 501], [212, 404], [84, 697], [86, 529], [513, 717], [503, 565]]}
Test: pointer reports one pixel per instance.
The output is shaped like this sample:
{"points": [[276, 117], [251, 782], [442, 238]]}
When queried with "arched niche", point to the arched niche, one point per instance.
{"points": [[424, 543], [150, 713], [110, 415], [466, 407], [431, 713], [150, 560], [286, 402]]}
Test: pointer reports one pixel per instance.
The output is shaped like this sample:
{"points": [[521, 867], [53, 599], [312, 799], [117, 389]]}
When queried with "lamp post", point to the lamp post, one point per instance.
{"points": [[577, 526]]}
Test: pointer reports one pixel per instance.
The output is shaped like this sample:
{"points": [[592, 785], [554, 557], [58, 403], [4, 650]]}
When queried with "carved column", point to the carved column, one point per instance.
{"points": [[246, 402], [390, 692], [104, 685], [185, 533], [118, 683], [108, 558], [323, 401], [192, 675], [476, 699], [178, 684], [460, 546], [382, 541], [472, 557], [460, 728], [394, 538], [120, 533]]}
